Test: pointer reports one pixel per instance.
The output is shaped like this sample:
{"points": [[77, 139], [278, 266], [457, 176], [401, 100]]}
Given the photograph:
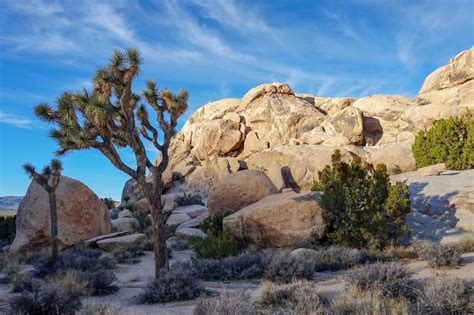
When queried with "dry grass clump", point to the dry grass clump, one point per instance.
{"points": [[300, 297], [355, 301], [228, 303], [466, 243], [71, 283], [392, 279]]}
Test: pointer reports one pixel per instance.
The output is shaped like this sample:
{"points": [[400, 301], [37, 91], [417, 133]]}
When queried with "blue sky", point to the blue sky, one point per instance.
{"points": [[215, 49]]}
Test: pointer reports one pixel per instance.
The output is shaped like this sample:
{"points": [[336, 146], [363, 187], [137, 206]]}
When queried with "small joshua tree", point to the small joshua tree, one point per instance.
{"points": [[110, 117], [49, 179]]}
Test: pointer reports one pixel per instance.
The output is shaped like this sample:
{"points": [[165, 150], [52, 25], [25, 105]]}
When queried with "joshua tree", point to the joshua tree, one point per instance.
{"points": [[111, 116], [49, 179]]}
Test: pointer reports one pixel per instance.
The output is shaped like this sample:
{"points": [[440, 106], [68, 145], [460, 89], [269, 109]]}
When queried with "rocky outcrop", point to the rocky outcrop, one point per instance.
{"points": [[123, 242], [81, 215], [291, 137], [238, 190], [279, 220]]}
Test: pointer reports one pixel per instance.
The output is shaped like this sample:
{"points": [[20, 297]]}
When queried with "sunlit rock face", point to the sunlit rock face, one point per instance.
{"points": [[81, 216], [290, 137]]}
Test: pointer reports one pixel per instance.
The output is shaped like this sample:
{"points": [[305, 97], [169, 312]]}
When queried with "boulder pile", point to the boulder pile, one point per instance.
{"points": [[290, 137]]}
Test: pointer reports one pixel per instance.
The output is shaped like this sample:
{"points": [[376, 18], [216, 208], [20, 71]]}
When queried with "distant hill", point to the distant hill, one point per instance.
{"points": [[10, 203]]}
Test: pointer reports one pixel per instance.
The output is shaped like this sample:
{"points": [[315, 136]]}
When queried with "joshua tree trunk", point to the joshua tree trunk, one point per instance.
{"points": [[153, 192], [54, 225]]}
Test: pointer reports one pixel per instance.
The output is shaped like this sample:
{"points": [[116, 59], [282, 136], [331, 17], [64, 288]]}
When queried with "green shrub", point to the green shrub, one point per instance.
{"points": [[109, 202], [189, 199], [7, 229], [449, 141], [362, 209], [216, 246], [213, 223]]}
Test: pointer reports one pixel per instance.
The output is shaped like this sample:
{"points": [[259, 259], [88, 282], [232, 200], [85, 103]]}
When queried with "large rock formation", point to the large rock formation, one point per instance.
{"points": [[81, 215], [239, 190], [279, 220], [291, 137]]}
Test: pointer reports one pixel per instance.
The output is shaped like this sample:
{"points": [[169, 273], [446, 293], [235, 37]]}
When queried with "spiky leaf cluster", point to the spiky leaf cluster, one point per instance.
{"points": [[49, 176], [111, 116]]}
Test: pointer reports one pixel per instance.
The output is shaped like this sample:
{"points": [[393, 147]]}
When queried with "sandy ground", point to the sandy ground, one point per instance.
{"points": [[133, 278]]}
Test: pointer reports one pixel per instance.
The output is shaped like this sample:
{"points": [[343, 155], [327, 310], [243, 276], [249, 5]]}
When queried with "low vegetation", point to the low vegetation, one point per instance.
{"points": [[392, 279], [219, 243], [177, 284], [449, 141], [447, 296], [439, 256], [216, 246], [189, 199], [299, 297], [243, 266], [229, 303], [283, 267], [57, 286], [7, 230], [361, 208]]}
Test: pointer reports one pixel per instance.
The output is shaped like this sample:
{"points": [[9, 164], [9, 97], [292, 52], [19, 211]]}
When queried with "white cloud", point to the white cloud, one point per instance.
{"points": [[37, 7], [106, 17], [16, 121]]}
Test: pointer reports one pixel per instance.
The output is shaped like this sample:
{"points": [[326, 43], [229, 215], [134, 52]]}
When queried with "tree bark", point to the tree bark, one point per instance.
{"points": [[54, 225], [153, 193]]}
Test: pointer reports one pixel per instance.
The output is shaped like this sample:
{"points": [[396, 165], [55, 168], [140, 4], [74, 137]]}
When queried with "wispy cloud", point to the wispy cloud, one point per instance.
{"points": [[17, 121]]}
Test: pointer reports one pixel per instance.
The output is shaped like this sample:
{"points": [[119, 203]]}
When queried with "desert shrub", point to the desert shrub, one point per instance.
{"points": [[180, 245], [213, 223], [102, 282], [229, 303], [243, 266], [94, 308], [216, 246], [128, 255], [362, 209], [114, 213], [439, 255], [11, 273], [109, 202], [79, 259], [108, 261], [22, 284], [354, 301], [7, 229], [70, 281], [447, 296], [392, 279], [401, 252], [334, 258], [283, 267], [189, 199], [449, 141], [45, 298], [300, 297], [177, 284]]}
